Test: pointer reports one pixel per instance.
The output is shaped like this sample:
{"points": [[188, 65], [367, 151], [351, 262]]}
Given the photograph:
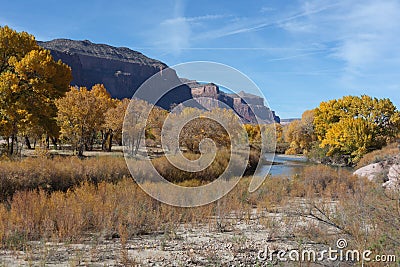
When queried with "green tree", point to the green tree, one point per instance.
{"points": [[30, 81]]}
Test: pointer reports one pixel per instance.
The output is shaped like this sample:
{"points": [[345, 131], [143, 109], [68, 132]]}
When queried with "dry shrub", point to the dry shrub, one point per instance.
{"points": [[98, 200], [272, 193], [212, 172], [334, 203], [58, 174], [108, 209], [322, 181]]}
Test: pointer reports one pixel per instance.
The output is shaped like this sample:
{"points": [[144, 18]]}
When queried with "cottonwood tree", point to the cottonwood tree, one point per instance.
{"points": [[300, 134], [154, 126], [135, 123], [81, 114], [274, 140], [30, 81], [220, 125], [114, 119], [105, 103], [352, 126]]}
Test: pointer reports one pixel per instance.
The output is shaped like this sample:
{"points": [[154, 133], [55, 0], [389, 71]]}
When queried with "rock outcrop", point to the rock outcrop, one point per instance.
{"points": [[249, 107], [386, 172], [120, 69]]}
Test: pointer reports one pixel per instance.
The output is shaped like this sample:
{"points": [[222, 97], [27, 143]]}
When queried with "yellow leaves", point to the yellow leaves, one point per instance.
{"points": [[350, 136], [253, 133], [300, 134], [14, 45], [81, 112], [30, 80], [356, 125], [114, 117]]}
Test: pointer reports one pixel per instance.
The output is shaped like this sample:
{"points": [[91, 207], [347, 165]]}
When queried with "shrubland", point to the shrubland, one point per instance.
{"points": [[108, 203]]}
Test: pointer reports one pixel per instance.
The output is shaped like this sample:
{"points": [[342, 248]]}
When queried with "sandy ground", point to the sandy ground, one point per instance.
{"points": [[228, 243]]}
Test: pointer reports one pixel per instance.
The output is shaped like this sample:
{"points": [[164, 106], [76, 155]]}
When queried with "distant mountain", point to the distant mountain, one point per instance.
{"points": [[123, 71], [120, 69], [287, 121]]}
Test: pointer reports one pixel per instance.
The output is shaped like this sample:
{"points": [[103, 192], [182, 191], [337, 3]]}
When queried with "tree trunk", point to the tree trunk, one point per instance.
{"points": [[110, 142], [47, 142], [80, 151], [80, 148], [104, 141], [54, 141], [12, 144], [27, 142]]}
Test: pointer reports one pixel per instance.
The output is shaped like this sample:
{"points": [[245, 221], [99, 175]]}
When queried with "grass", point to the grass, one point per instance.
{"points": [[58, 174], [63, 173], [379, 155], [114, 209]]}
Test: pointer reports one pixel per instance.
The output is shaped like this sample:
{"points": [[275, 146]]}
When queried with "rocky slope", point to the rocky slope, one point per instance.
{"points": [[120, 69]]}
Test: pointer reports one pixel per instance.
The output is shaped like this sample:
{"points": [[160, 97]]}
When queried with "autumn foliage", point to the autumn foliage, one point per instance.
{"points": [[344, 130], [30, 81]]}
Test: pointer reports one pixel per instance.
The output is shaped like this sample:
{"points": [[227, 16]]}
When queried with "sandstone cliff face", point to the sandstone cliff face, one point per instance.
{"points": [[121, 69], [249, 107]]}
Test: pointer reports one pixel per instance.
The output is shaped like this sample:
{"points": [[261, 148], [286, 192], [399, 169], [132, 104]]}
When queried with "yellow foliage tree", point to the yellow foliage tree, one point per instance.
{"points": [[155, 123], [114, 120], [30, 81], [135, 123], [352, 126], [300, 134], [350, 136], [81, 114]]}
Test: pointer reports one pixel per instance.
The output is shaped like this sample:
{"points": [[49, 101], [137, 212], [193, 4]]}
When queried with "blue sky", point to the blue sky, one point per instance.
{"points": [[298, 52]]}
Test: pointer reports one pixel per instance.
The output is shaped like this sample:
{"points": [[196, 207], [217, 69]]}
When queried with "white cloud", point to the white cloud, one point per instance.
{"points": [[298, 27], [364, 34], [175, 34], [371, 34]]}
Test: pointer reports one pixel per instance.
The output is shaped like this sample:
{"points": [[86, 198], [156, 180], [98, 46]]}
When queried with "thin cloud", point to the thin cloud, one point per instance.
{"points": [[297, 56], [236, 48], [266, 9], [371, 35], [193, 19], [263, 25]]}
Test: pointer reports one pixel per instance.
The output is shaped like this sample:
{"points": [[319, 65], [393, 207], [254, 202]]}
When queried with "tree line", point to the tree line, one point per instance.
{"points": [[37, 102], [339, 131]]}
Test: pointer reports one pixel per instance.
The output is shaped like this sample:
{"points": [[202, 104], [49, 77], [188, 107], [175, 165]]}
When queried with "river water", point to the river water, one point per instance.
{"points": [[288, 165], [284, 165]]}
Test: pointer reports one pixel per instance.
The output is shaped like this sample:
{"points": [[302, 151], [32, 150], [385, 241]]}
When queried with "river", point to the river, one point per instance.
{"points": [[285, 165], [288, 165]]}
